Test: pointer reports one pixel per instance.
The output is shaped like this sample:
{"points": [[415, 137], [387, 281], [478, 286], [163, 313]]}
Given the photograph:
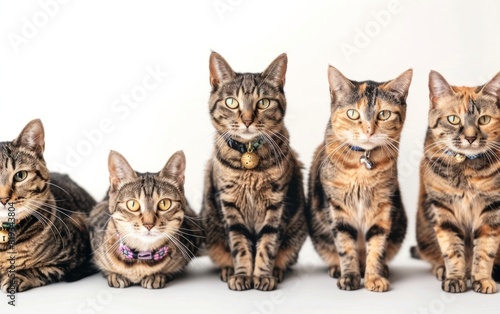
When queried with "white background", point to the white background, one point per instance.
{"points": [[71, 63]]}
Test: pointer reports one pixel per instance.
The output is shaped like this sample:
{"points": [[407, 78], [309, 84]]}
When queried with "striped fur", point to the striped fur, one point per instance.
{"points": [[147, 229], [51, 241], [355, 215], [253, 219], [458, 219]]}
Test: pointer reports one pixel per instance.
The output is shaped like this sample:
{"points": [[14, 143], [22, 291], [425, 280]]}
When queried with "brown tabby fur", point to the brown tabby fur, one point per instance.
{"points": [[253, 219], [51, 240], [355, 215], [147, 229], [458, 219]]}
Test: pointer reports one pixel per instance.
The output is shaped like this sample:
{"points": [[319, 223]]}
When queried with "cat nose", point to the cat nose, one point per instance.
{"points": [[148, 226], [247, 122], [471, 139]]}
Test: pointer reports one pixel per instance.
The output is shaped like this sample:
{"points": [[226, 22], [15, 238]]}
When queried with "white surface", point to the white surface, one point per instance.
{"points": [[72, 70]]}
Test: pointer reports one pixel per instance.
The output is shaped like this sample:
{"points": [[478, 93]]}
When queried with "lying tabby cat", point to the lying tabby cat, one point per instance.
{"points": [[48, 234], [355, 214], [458, 220], [144, 231], [253, 201]]}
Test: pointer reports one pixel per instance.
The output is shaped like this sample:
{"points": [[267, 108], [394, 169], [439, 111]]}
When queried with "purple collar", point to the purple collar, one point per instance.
{"points": [[143, 255]]}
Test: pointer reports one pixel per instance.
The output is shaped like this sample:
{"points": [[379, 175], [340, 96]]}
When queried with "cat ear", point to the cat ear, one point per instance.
{"points": [[493, 86], [119, 170], [276, 71], [175, 167], [220, 71], [32, 137], [339, 84], [401, 84], [438, 87]]}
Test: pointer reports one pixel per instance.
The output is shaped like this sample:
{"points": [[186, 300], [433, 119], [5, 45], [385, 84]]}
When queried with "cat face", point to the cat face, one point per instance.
{"points": [[465, 120], [247, 105], [368, 114], [24, 178], [147, 208]]}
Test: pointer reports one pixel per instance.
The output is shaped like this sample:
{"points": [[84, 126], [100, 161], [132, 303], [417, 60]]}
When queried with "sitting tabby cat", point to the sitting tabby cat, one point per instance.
{"points": [[48, 233], [253, 201], [144, 231], [355, 214], [458, 219]]}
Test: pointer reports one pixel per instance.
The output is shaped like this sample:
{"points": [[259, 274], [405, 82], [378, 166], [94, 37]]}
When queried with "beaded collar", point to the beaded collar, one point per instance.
{"points": [[142, 255]]}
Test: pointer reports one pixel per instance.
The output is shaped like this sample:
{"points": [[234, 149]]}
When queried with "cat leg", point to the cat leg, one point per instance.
{"points": [[117, 281], [154, 281], [26, 279], [345, 236], [486, 241]]}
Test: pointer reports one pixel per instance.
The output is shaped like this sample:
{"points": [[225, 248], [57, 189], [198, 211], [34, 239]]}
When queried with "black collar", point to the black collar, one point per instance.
{"points": [[243, 148]]}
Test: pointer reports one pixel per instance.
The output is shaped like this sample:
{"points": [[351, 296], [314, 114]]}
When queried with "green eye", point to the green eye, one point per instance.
{"points": [[484, 120], [20, 176], [232, 103], [165, 204], [263, 103], [133, 205], [384, 115], [353, 114], [454, 119]]}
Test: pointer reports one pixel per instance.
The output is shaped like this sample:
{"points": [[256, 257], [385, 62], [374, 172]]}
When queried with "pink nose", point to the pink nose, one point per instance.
{"points": [[148, 226]]}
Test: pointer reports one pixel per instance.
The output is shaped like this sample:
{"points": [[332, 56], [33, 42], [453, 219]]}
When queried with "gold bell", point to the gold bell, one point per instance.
{"points": [[459, 157], [4, 236], [249, 160]]}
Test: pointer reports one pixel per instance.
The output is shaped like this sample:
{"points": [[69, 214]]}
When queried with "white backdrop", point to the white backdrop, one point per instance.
{"points": [[132, 76]]}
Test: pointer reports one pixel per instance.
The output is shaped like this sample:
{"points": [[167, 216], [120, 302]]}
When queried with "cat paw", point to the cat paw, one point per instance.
{"points": [[486, 286], [439, 272], [377, 284], [454, 285], [225, 273], [265, 283], [11, 286], [349, 281], [156, 281], [240, 283], [334, 271], [279, 274], [118, 281]]}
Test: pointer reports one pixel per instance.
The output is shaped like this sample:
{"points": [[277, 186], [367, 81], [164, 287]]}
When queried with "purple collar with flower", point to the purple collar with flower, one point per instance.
{"points": [[143, 255]]}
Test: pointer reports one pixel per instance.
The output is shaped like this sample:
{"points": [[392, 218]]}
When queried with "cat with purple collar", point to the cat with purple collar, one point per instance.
{"points": [[144, 232]]}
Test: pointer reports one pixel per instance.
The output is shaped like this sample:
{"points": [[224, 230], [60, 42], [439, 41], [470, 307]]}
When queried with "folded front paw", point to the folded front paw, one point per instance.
{"points": [[118, 281], [349, 281], [456, 285], [155, 281], [486, 286], [265, 283], [377, 284], [240, 283]]}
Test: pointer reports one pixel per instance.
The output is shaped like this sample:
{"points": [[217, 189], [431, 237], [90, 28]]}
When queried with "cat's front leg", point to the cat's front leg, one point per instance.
{"points": [[154, 281], [486, 240], [26, 279], [118, 281]]}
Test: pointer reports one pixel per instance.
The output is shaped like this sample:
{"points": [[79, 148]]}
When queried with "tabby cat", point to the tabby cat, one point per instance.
{"points": [[458, 219], [144, 231], [44, 237], [355, 213], [253, 202]]}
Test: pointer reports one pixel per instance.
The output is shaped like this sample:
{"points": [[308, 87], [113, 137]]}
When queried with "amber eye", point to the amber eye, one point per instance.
{"points": [[164, 204], [384, 115], [454, 119], [232, 103], [353, 114], [20, 176], [263, 103], [484, 120], [133, 205]]}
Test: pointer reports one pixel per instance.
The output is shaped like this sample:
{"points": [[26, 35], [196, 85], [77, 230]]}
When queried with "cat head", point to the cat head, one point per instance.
{"points": [[367, 114], [465, 120], [24, 178], [147, 208], [245, 106]]}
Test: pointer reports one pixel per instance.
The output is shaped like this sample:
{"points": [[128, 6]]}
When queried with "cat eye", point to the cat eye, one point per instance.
{"points": [[20, 176], [232, 103], [164, 204], [133, 205], [353, 114], [263, 103], [454, 119], [484, 120], [384, 115]]}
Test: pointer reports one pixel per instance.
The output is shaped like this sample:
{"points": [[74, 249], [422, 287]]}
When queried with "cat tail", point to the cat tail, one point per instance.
{"points": [[415, 253], [86, 269], [496, 272]]}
